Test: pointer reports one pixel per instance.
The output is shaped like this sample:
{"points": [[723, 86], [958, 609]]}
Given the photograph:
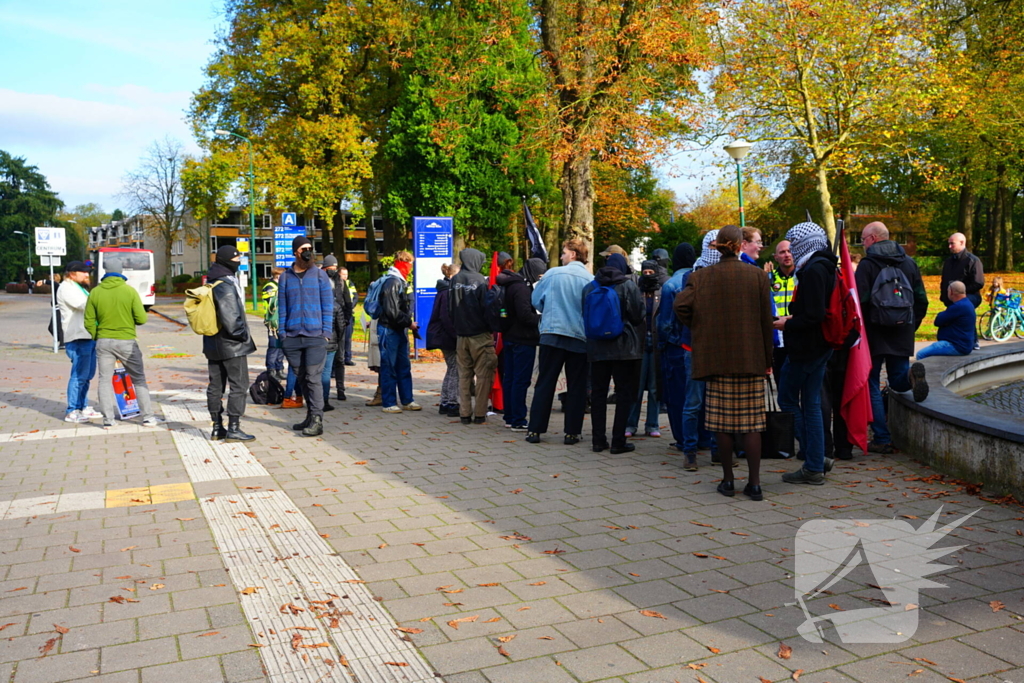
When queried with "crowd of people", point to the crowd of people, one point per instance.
{"points": [[706, 342]]}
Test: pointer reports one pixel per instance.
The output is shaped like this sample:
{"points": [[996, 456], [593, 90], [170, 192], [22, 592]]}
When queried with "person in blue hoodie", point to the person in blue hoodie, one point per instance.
{"points": [[563, 343], [956, 325]]}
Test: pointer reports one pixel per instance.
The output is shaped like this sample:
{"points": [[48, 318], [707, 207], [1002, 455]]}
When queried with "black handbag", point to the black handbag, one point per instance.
{"points": [[778, 440]]}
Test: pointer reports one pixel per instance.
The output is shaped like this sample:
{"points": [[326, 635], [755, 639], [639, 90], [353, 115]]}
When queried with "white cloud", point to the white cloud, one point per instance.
{"points": [[143, 96]]}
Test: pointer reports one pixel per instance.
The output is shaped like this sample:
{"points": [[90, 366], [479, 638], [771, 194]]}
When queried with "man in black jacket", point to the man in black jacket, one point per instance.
{"points": [[226, 352], [891, 345], [807, 352], [520, 338], [477, 357], [963, 266], [395, 318], [342, 319]]}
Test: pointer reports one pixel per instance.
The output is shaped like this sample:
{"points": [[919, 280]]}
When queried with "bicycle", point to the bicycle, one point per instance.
{"points": [[1008, 319]]}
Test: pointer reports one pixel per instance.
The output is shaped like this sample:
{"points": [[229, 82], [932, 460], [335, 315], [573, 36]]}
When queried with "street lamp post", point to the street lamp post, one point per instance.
{"points": [[28, 267], [252, 213], [738, 149]]}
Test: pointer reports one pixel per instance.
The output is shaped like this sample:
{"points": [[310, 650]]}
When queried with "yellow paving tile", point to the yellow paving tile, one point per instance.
{"points": [[171, 493], [119, 498]]}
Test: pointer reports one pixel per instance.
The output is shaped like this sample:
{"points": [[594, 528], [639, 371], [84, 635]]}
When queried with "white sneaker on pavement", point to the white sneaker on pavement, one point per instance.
{"points": [[412, 406], [152, 422], [90, 413], [75, 416]]}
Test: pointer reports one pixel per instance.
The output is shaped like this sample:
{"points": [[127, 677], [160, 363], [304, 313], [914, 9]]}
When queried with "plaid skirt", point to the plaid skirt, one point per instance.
{"points": [[735, 404]]}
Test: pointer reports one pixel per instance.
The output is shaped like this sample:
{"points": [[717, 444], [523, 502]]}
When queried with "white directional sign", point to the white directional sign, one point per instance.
{"points": [[288, 220], [50, 242], [50, 261]]}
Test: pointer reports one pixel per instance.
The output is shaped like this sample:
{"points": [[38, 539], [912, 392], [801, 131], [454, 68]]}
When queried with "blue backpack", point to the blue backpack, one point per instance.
{"points": [[602, 312], [372, 302]]}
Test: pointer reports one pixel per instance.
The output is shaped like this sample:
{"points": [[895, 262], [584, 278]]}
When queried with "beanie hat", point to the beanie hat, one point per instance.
{"points": [[330, 260], [227, 253], [298, 243]]}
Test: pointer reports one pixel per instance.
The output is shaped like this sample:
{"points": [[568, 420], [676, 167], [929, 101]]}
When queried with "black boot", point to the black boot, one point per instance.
{"points": [[315, 427], [217, 433], [235, 433], [305, 423], [341, 395], [327, 405]]}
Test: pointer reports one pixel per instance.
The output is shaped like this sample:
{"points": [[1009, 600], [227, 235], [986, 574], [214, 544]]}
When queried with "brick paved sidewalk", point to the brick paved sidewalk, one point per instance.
{"points": [[149, 555]]}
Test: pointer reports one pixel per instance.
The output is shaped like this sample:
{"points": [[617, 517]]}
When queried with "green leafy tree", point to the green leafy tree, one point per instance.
{"points": [[207, 184], [26, 202]]}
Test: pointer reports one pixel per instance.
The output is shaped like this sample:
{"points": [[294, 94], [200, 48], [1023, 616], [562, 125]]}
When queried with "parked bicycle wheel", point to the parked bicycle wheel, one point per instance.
{"points": [[985, 324], [1003, 325]]}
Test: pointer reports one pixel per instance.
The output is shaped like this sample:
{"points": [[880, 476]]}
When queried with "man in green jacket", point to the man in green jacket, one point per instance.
{"points": [[113, 311]]}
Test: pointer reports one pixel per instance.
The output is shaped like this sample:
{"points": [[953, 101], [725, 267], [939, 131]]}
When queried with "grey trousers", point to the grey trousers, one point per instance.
{"points": [[127, 351], [477, 359], [450, 385], [233, 371]]}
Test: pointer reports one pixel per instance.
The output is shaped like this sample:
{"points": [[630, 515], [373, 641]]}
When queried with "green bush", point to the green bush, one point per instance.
{"points": [[930, 265], [179, 279]]}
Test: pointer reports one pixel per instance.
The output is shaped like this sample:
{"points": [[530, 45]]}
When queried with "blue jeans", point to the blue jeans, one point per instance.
{"points": [[82, 353], [289, 384], [939, 348], [649, 382], [800, 394], [516, 380], [897, 367], [325, 376], [673, 387], [395, 369], [692, 409], [275, 354]]}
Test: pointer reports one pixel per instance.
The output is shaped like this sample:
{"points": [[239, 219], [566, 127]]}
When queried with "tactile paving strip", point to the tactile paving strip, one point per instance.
{"points": [[208, 461]]}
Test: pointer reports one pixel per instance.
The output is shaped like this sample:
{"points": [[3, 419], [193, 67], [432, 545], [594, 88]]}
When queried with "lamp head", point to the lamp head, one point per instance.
{"points": [[221, 131], [738, 149]]}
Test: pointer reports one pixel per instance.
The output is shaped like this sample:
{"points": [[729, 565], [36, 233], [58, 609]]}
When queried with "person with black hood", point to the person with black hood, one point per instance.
{"points": [[807, 352], [334, 366], [227, 351], [617, 357], [674, 345], [660, 258], [520, 338], [441, 335], [650, 288], [890, 344], [305, 313], [467, 304]]}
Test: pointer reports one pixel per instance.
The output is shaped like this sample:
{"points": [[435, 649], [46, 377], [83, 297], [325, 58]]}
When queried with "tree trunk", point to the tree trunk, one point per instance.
{"points": [[965, 213], [578, 202], [825, 198], [458, 244], [998, 218], [371, 245], [326, 237], [338, 228], [168, 268], [396, 237]]}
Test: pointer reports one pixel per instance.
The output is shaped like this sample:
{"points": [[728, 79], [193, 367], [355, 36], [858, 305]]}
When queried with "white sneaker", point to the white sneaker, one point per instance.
{"points": [[75, 416], [392, 409], [90, 413], [412, 406], [152, 422]]}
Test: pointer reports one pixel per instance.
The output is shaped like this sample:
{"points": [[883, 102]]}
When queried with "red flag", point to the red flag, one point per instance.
{"points": [[497, 396], [856, 406]]}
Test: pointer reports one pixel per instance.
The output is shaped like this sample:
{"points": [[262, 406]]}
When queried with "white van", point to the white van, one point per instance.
{"points": [[134, 264]]}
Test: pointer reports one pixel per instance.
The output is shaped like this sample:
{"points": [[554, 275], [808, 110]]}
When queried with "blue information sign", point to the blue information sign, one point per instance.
{"points": [[432, 247], [283, 236]]}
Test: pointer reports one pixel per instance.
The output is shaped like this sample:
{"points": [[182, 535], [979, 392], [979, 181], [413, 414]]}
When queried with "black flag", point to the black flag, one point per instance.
{"points": [[537, 248]]}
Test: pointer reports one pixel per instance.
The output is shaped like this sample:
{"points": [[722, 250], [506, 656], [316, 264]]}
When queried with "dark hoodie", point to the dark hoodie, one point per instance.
{"points": [[523, 317], [629, 344], [467, 302], [232, 339], [804, 338], [660, 258], [683, 256], [441, 330], [894, 341]]}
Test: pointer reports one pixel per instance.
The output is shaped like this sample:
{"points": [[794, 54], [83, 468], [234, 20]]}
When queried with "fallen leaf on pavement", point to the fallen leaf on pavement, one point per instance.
{"points": [[796, 674], [505, 639], [539, 583], [996, 605], [714, 650], [249, 591], [60, 629], [406, 629], [74, 549], [835, 607], [359, 462], [119, 599], [695, 666], [156, 586], [785, 651], [11, 623], [701, 524], [492, 620], [47, 646], [454, 623], [393, 664], [184, 519], [503, 652], [131, 547], [556, 551], [488, 585], [926, 661], [652, 613], [211, 633]]}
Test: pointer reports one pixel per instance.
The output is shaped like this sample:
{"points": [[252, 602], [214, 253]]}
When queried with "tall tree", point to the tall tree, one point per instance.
{"points": [[26, 202], [207, 184], [837, 82], [620, 75], [153, 190]]}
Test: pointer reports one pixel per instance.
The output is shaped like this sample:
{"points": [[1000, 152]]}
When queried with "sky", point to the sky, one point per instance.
{"points": [[89, 84]]}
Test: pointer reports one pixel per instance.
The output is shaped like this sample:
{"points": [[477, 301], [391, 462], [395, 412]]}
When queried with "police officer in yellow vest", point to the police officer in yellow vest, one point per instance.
{"points": [[782, 275]]}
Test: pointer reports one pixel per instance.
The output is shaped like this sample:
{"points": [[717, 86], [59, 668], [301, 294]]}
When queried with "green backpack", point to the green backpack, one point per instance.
{"points": [[201, 310]]}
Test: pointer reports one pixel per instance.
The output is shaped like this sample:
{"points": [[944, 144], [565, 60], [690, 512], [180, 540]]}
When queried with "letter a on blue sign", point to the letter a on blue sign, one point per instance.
{"points": [[288, 219]]}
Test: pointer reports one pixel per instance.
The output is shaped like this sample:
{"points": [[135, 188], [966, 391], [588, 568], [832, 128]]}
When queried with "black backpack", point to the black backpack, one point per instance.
{"points": [[266, 390], [496, 309], [892, 299]]}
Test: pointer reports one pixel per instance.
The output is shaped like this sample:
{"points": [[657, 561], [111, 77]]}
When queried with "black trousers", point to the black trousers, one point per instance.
{"points": [[836, 440], [233, 372], [627, 383], [549, 366], [338, 373], [308, 355]]}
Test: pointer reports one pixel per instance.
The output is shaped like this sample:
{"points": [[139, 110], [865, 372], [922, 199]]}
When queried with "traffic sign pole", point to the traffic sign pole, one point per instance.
{"points": [[51, 242]]}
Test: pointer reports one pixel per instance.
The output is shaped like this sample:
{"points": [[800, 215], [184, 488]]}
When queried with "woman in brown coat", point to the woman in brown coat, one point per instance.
{"points": [[728, 308]]}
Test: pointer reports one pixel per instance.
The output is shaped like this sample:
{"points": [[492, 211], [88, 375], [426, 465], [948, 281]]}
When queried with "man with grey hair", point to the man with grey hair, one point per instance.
{"points": [[894, 303], [956, 325]]}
